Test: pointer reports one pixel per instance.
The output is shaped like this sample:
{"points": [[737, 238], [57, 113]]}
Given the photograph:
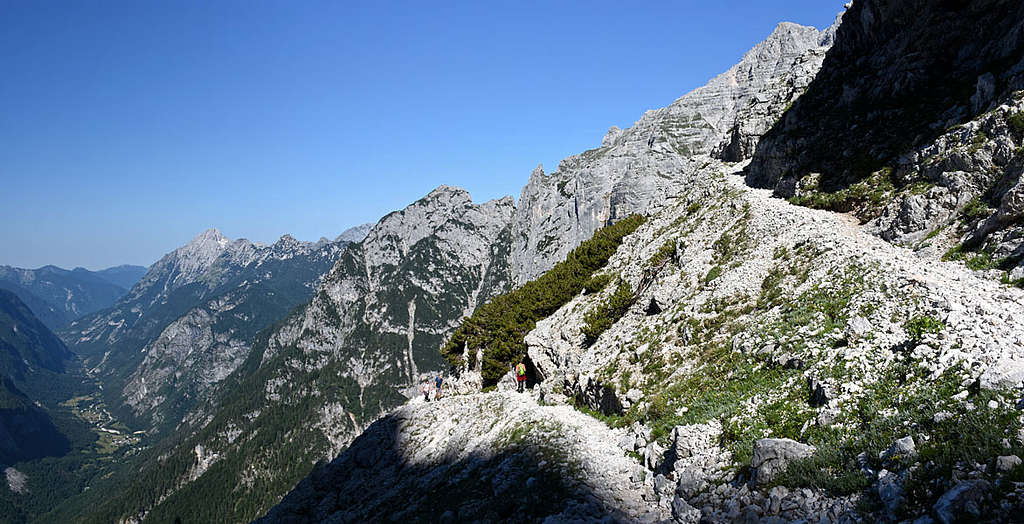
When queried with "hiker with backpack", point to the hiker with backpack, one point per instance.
{"points": [[437, 386], [520, 370]]}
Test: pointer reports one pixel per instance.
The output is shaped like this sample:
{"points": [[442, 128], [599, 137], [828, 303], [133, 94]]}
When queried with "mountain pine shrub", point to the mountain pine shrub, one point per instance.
{"points": [[498, 327]]}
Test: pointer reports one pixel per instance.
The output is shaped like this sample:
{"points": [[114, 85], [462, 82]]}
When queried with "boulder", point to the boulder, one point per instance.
{"points": [[773, 455], [683, 512], [902, 449], [857, 328], [653, 454], [962, 502], [890, 491], [1006, 373], [1007, 462]]}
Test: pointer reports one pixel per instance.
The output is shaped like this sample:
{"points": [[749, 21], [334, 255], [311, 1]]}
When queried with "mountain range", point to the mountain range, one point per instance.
{"points": [[815, 314], [58, 296]]}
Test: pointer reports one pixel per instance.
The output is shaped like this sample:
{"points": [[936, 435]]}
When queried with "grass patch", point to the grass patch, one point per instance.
{"points": [[714, 273], [974, 210]]}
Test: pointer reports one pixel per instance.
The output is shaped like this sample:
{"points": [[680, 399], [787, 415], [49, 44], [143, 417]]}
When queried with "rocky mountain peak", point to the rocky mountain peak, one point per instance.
{"points": [[354, 234], [636, 168], [287, 241]]}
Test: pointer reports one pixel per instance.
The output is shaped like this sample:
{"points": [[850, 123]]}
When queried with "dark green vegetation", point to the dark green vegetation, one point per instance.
{"points": [[596, 283], [974, 210], [866, 197], [499, 326], [604, 315], [665, 253], [922, 325], [1016, 121], [38, 436]]}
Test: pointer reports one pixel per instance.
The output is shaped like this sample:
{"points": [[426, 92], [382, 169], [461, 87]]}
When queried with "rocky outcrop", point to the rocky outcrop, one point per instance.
{"points": [[890, 83], [773, 455], [636, 169], [501, 457]]}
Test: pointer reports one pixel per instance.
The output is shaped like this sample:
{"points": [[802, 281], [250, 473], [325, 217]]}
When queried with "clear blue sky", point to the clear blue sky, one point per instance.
{"points": [[127, 127]]}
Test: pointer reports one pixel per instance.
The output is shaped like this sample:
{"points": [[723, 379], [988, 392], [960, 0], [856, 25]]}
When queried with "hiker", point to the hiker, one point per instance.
{"points": [[521, 376], [437, 385], [426, 390]]}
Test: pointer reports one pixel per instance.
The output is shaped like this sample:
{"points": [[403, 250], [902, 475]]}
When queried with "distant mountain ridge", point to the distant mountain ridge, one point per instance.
{"points": [[125, 275], [190, 320], [57, 296]]}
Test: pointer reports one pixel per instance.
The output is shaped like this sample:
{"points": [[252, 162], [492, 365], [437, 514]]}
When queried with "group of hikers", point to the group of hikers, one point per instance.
{"points": [[434, 387]]}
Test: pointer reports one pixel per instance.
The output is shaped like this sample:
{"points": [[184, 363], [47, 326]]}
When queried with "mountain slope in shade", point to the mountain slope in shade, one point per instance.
{"points": [[28, 345], [30, 356]]}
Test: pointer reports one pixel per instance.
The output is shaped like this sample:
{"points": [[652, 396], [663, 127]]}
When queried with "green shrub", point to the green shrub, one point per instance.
{"points": [[1016, 121], [602, 317], [714, 273], [871, 192], [596, 283], [498, 327], [922, 325], [665, 253]]}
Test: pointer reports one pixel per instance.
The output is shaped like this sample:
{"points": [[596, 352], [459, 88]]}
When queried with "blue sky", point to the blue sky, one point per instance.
{"points": [[127, 127]]}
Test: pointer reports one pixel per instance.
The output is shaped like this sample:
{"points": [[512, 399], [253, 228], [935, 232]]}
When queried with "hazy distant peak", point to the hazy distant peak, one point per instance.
{"points": [[354, 234]]}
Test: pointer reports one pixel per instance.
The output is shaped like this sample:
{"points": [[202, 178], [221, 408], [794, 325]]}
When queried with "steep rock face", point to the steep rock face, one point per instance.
{"points": [[890, 83], [190, 320], [639, 167], [335, 365], [57, 296]]}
